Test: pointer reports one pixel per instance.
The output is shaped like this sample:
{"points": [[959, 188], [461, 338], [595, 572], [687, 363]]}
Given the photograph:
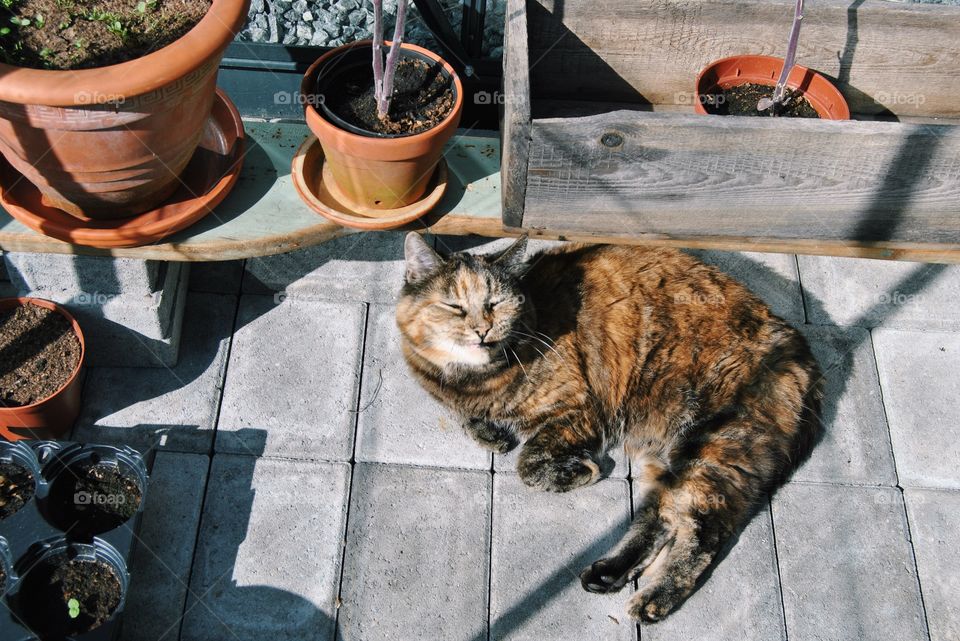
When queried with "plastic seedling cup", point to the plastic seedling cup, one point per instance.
{"points": [[84, 512], [42, 528], [7, 575], [40, 611], [18, 457]]}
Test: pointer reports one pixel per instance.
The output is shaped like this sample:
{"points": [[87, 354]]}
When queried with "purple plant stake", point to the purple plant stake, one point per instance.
{"points": [[383, 74], [778, 91], [377, 57]]}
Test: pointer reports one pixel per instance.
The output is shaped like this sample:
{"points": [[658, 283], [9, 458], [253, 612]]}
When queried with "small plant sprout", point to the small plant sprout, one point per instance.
{"points": [[383, 72], [73, 608], [788, 62]]}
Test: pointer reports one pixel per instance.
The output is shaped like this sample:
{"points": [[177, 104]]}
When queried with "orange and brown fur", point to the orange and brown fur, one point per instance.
{"points": [[582, 348]]}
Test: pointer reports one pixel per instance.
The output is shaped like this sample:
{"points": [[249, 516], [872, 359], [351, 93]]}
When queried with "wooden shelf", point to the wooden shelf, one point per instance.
{"points": [[596, 141], [263, 214]]}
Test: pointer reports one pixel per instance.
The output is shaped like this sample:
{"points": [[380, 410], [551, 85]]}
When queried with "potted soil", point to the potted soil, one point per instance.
{"points": [[103, 102], [71, 588], [94, 490], [751, 85], [382, 125], [42, 349]]}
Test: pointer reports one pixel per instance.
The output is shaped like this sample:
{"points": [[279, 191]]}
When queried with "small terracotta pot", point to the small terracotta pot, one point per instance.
{"points": [[376, 172], [111, 142], [53, 416], [765, 70]]}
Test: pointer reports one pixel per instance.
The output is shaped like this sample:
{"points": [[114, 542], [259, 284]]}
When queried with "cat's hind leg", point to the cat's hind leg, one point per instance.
{"points": [[711, 501], [492, 435], [562, 455]]}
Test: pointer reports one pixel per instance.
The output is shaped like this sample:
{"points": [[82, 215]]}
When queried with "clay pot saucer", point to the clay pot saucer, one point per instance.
{"points": [[210, 175], [314, 182]]}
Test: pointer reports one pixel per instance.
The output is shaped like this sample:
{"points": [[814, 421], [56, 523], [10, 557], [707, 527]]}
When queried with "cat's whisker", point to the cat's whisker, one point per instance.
{"points": [[545, 343], [522, 368], [513, 334], [537, 334]]}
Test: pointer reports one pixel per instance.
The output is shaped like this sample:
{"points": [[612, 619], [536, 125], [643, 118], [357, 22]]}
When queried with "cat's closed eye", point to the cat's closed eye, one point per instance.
{"points": [[453, 307]]}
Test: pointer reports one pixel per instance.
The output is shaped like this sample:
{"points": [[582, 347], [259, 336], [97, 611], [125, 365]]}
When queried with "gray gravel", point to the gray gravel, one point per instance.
{"points": [[337, 22]]}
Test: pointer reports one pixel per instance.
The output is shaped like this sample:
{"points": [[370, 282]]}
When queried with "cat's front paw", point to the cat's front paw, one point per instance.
{"points": [[604, 576], [542, 471], [493, 436]]}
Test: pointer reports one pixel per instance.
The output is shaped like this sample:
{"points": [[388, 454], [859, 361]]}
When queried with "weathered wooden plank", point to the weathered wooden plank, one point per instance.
{"points": [[885, 55], [862, 184], [515, 123]]}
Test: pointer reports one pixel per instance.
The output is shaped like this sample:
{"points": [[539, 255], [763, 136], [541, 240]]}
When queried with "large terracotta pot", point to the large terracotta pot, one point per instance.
{"points": [[378, 172], [110, 142], [53, 416]]}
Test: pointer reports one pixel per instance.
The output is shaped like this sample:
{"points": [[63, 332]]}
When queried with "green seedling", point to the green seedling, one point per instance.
{"points": [[20, 22], [117, 28], [73, 608], [39, 21]]}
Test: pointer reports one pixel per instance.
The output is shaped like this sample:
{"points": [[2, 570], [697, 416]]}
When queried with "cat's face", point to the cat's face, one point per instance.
{"points": [[462, 311]]}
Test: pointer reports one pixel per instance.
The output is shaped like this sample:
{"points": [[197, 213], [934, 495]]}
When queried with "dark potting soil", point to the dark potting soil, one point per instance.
{"points": [[93, 498], [17, 487], [38, 354], [81, 34], [742, 101], [422, 98], [48, 588]]}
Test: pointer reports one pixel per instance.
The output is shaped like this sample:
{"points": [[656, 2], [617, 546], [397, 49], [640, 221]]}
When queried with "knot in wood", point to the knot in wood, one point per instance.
{"points": [[611, 139]]}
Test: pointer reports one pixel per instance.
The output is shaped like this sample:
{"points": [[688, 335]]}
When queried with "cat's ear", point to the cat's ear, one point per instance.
{"points": [[512, 258], [421, 259]]}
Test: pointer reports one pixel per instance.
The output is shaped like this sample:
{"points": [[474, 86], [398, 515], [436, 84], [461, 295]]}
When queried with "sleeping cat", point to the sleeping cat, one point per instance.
{"points": [[585, 347]]}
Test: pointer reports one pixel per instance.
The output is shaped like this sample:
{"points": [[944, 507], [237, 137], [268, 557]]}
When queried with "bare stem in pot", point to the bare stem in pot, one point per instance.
{"points": [[788, 63], [383, 74]]}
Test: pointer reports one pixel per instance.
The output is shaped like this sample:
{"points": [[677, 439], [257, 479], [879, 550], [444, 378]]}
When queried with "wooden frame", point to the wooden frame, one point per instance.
{"points": [[627, 164]]}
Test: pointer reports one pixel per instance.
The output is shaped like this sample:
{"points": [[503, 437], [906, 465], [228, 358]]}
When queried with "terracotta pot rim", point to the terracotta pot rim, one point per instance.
{"points": [[842, 107], [315, 115], [19, 301], [113, 83]]}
